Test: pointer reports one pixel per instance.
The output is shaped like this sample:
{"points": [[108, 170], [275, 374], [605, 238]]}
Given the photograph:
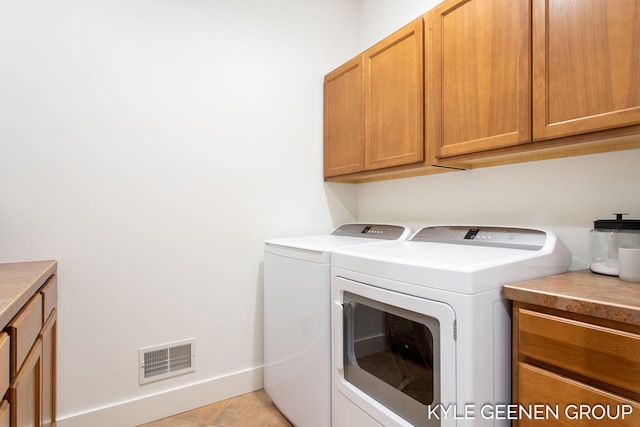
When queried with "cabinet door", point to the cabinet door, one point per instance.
{"points": [[478, 65], [5, 414], [394, 99], [607, 355], [25, 393], [48, 337], [5, 362], [23, 330], [586, 70], [49, 294], [344, 119], [561, 401]]}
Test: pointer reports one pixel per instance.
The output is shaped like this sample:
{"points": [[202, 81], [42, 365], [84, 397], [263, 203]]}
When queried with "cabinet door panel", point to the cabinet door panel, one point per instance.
{"points": [[605, 354], [5, 414], [5, 365], [539, 387], [344, 119], [478, 75], [23, 330], [48, 337], [25, 393], [49, 294], [394, 99], [586, 66]]}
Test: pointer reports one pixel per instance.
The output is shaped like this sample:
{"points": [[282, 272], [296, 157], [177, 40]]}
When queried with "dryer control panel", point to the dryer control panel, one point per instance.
{"points": [[504, 237], [374, 231]]}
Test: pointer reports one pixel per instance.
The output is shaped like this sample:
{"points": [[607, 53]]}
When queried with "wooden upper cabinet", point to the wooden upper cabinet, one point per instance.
{"points": [[485, 82], [394, 99], [344, 119], [478, 63], [374, 106], [586, 71]]}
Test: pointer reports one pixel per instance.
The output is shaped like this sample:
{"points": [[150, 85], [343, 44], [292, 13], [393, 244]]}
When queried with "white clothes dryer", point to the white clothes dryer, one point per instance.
{"points": [[420, 332], [297, 306]]}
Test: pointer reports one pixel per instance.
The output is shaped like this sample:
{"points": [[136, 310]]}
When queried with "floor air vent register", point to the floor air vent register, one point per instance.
{"points": [[168, 360]]}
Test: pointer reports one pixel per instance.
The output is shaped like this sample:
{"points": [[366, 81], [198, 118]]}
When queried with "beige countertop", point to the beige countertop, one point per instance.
{"points": [[581, 292], [19, 281]]}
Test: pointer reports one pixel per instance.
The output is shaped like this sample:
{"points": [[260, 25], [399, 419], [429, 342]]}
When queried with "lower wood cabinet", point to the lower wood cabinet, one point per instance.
{"points": [[564, 401], [5, 367], [25, 393], [48, 337], [30, 369], [577, 369], [4, 414]]}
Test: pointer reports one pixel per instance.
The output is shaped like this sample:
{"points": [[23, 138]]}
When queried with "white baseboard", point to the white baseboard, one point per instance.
{"points": [[161, 405]]}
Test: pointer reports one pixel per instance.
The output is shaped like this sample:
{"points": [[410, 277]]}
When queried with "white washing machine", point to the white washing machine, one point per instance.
{"points": [[297, 306], [420, 332]]}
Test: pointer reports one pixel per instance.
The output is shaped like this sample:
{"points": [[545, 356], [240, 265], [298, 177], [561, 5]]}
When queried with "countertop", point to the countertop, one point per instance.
{"points": [[582, 292], [19, 281]]}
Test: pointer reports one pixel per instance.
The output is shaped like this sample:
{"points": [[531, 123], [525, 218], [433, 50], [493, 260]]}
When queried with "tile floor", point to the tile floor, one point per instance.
{"points": [[248, 410]]}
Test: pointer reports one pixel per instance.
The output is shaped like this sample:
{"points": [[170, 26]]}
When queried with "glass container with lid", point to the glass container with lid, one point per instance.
{"points": [[607, 236]]}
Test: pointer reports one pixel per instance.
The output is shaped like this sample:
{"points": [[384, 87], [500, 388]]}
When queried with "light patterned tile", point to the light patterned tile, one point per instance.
{"points": [[200, 417], [250, 410], [170, 422], [205, 415]]}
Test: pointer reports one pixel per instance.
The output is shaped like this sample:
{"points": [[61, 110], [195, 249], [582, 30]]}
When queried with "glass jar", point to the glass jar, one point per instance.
{"points": [[604, 240]]}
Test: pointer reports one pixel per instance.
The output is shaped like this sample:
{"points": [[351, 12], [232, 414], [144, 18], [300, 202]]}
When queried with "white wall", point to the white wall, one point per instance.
{"points": [[150, 147], [564, 195], [379, 18]]}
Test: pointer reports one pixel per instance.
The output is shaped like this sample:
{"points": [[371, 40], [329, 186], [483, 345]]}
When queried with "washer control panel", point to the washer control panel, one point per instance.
{"points": [[504, 237], [374, 231]]}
